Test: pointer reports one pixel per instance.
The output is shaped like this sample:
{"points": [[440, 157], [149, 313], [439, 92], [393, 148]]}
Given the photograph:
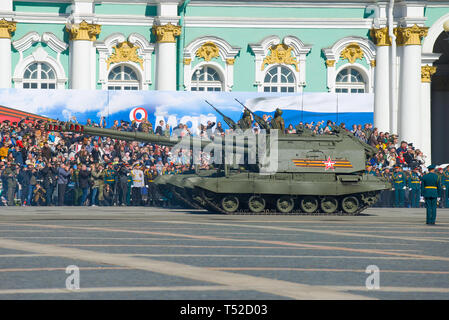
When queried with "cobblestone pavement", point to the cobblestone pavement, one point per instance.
{"points": [[155, 253]]}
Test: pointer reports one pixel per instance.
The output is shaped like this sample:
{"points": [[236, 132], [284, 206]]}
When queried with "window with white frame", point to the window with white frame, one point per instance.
{"points": [[350, 80], [279, 79], [39, 75], [206, 79], [123, 77]]}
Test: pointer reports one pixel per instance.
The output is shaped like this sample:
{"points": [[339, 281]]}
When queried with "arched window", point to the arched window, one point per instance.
{"points": [[39, 75], [206, 79], [123, 78], [279, 79], [349, 80]]}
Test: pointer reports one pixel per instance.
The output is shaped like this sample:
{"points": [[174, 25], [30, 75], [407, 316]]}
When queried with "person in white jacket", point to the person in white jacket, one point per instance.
{"points": [[138, 184]]}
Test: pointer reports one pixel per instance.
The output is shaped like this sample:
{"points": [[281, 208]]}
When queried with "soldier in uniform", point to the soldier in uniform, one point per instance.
{"points": [[148, 177], [109, 174], [122, 183], [246, 122], [77, 189], [414, 185], [430, 190], [407, 193], [110, 177], [439, 172], [387, 195], [98, 175], [50, 174], [134, 125], [367, 130], [146, 126], [399, 183], [10, 176], [129, 188], [445, 182], [278, 121]]}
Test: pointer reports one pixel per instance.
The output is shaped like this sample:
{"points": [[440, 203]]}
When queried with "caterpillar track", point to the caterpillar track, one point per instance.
{"points": [[213, 202], [183, 197]]}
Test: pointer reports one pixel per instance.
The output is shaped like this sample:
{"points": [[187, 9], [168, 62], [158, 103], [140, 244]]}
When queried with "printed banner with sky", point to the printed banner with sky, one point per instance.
{"points": [[187, 107]]}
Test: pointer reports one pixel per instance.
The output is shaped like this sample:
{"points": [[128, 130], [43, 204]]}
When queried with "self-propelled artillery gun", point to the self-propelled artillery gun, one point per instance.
{"points": [[270, 172]]}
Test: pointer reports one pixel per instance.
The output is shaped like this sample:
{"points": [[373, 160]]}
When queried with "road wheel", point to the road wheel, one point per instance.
{"points": [[208, 195], [230, 203], [329, 204], [256, 204], [350, 204], [309, 204], [285, 204]]}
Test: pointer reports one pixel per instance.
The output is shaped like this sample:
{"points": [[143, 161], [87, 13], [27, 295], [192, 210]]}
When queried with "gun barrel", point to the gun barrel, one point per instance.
{"points": [[184, 142], [228, 120], [214, 107]]}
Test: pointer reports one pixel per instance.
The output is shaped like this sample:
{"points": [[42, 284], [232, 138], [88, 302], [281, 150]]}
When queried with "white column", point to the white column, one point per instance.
{"points": [[410, 85], [425, 115], [166, 56], [6, 28], [81, 64], [330, 64], [166, 66], [382, 82], [6, 5], [187, 69], [410, 96], [5, 63], [395, 97], [382, 90], [230, 74], [82, 68]]}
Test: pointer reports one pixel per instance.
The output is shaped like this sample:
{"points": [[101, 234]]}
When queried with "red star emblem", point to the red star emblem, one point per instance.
{"points": [[329, 164]]}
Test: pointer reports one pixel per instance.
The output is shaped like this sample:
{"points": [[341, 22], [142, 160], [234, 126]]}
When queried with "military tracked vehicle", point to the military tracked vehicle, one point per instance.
{"points": [[295, 173]]}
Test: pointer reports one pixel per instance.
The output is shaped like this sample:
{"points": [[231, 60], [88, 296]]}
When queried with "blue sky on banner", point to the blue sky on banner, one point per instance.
{"points": [[188, 107]]}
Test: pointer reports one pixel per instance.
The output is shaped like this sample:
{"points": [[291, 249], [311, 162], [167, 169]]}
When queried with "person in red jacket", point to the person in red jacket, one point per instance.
{"points": [[400, 160]]}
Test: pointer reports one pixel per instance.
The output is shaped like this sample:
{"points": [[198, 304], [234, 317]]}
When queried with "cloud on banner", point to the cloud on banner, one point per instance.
{"points": [[187, 107]]}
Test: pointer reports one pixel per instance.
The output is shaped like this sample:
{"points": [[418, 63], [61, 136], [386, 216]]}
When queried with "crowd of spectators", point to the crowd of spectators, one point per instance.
{"points": [[390, 152], [38, 167]]}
